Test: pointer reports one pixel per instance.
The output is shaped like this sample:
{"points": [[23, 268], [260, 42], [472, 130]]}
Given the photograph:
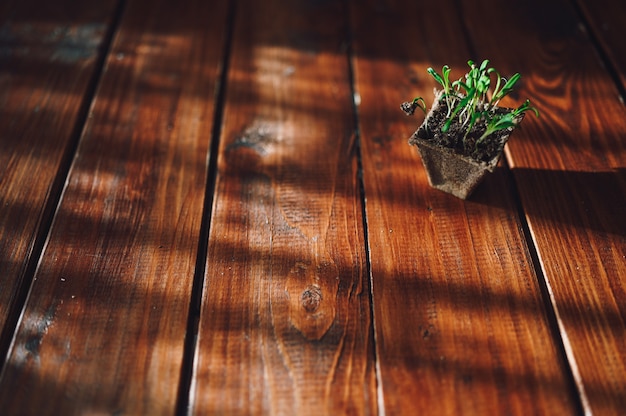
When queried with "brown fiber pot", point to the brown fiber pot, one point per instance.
{"points": [[449, 171]]}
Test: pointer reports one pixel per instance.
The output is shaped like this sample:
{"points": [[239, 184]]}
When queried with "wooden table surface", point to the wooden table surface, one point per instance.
{"points": [[210, 207]]}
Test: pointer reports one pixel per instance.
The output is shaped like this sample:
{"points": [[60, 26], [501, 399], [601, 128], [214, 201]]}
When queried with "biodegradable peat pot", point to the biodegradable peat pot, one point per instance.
{"points": [[447, 169], [464, 133]]}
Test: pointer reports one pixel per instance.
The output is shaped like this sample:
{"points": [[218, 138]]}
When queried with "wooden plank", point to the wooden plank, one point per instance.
{"points": [[285, 322], [47, 62], [105, 322], [570, 168], [460, 323], [606, 19]]}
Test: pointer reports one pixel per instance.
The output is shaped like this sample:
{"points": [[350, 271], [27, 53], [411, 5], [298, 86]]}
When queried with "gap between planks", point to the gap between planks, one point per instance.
{"points": [[56, 190], [185, 399], [603, 48]]}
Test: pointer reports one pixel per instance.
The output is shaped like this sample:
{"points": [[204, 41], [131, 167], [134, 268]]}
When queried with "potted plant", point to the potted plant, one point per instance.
{"points": [[464, 133]]}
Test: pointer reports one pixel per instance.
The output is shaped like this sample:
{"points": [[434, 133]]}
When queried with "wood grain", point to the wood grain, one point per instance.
{"points": [[456, 317], [606, 19], [460, 323], [569, 166], [104, 327], [47, 62], [285, 323]]}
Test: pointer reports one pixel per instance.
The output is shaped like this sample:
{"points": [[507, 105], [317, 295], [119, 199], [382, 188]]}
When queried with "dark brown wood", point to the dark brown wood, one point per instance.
{"points": [[570, 169], [285, 323], [606, 19], [104, 326], [512, 302], [460, 323], [47, 61]]}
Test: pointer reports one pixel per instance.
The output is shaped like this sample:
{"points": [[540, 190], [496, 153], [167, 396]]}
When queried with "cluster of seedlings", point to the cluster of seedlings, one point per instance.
{"points": [[467, 111], [464, 133]]}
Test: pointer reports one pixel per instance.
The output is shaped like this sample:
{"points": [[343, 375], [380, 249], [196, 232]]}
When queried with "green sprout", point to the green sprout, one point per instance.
{"points": [[507, 120], [475, 89], [499, 94], [409, 107], [471, 99], [444, 80]]}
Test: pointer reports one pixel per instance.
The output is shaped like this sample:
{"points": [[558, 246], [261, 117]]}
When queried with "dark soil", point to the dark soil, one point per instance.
{"points": [[483, 152]]}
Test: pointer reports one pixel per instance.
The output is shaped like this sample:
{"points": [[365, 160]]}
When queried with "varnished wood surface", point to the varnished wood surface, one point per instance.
{"points": [[242, 227], [103, 329], [605, 19], [285, 314], [41, 118], [569, 168], [457, 305]]}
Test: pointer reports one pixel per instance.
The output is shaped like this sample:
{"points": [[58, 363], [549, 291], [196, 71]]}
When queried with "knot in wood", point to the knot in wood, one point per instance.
{"points": [[311, 298]]}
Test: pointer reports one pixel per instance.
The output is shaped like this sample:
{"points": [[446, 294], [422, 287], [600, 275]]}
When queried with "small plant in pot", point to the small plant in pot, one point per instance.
{"points": [[464, 133]]}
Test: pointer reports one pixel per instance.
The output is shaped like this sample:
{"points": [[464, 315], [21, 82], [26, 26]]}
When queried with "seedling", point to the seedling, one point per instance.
{"points": [[444, 80], [409, 107], [470, 101], [465, 131], [506, 120]]}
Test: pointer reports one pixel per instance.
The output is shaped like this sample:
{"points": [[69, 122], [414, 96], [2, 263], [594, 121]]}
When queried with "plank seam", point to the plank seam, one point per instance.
{"points": [[603, 56], [466, 32], [546, 297], [356, 144], [185, 395], [18, 304]]}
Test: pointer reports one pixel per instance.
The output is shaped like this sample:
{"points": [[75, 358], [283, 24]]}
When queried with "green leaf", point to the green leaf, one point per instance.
{"points": [[534, 110], [410, 106], [459, 83], [508, 86], [504, 124], [483, 66], [446, 71], [525, 107], [483, 84], [435, 75]]}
